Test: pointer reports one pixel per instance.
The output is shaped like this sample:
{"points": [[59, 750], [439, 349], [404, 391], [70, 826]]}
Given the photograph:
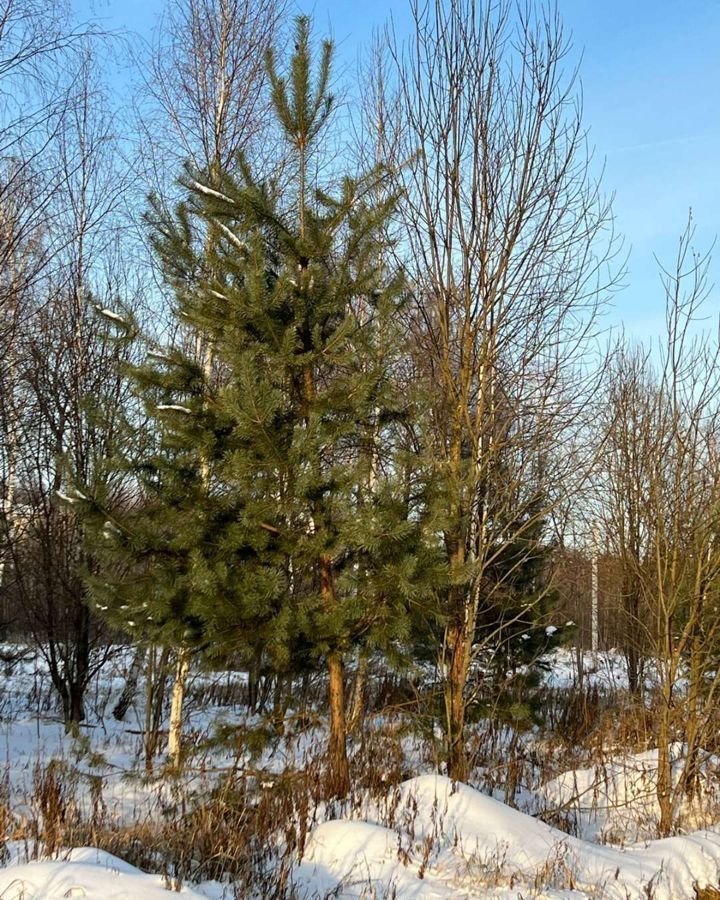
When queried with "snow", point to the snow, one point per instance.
{"points": [[32, 734], [72, 496], [110, 314], [450, 840], [85, 872], [606, 669], [424, 839], [616, 800], [209, 192], [173, 406], [233, 238]]}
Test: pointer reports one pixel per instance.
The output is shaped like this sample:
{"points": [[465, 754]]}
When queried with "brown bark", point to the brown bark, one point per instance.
{"points": [[664, 777], [127, 696], [458, 649], [485, 207], [155, 697], [359, 695], [339, 770]]}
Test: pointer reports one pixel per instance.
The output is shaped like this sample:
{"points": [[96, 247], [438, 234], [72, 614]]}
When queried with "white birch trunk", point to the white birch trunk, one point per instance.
{"points": [[176, 707]]}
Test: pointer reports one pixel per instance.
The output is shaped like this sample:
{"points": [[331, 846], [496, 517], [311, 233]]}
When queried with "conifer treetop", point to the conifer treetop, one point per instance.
{"points": [[302, 106]]}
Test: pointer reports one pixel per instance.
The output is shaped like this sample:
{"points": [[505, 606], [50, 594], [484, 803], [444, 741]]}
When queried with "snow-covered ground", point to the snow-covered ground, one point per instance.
{"points": [[452, 841], [83, 872], [32, 735], [605, 670], [615, 800], [424, 839]]}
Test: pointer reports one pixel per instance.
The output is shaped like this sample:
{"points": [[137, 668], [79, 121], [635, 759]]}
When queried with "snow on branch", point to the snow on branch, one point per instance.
{"points": [[232, 237], [73, 496], [159, 355], [209, 192], [111, 315], [176, 407]]}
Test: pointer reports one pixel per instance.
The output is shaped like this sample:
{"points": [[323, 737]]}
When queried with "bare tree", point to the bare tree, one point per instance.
{"points": [[37, 44], [204, 88], [507, 245], [661, 493], [627, 467], [71, 380]]}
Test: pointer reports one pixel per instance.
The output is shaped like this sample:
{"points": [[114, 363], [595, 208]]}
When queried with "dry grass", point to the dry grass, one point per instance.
{"points": [[248, 830], [251, 827], [243, 833], [707, 893]]}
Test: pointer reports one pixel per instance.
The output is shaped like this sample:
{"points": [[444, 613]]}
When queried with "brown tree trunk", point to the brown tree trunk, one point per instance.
{"points": [[127, 696], [77, 705], [631, 594], [455, 702], [693, 712], [359, 696], [339, 771], [664, 775], [75, 673], [155, 696]]}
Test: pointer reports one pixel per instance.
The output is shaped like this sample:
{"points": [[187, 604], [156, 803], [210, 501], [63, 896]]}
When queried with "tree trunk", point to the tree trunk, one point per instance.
{"points": [[127, 696], [693, 712], [77, 706], [631, 659], [632, 655], [458, 665], [176, 708], [150, 746], [154, 699], [513, 771], [339, 769], [339, 774], [253, 687], [75, 671], [691, 775], [632, 637], [580, 663], [664, 776], [7, 509], [279, 705], [359, 696], [73, 706]]}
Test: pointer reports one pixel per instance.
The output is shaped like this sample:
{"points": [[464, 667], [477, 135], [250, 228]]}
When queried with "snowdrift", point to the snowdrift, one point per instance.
{"points": [[450, 840], [86, 872], [616, 801], [441, 840]]}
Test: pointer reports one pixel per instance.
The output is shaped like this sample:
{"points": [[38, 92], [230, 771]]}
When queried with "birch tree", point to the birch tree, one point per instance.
{"points": [[507, 243]]}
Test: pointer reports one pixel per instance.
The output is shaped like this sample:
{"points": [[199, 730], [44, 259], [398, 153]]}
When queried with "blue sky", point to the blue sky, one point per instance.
{"points": [[650, 73]]}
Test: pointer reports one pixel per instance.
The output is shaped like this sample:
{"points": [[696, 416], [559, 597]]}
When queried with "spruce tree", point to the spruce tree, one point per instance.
{"points": [[255, 530]]}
